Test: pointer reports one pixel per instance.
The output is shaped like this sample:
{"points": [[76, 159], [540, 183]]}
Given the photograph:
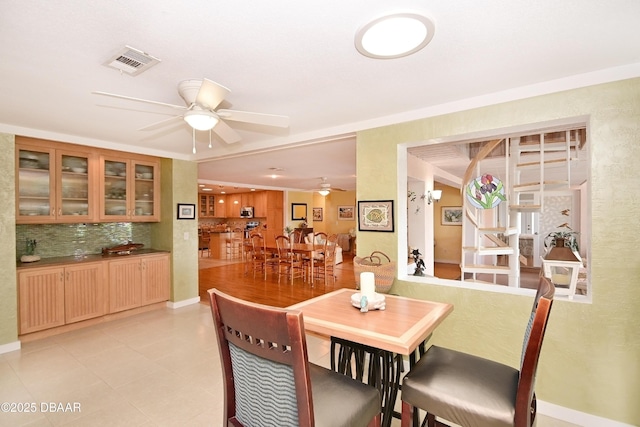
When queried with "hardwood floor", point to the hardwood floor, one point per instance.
{"points": [[231, 279]]}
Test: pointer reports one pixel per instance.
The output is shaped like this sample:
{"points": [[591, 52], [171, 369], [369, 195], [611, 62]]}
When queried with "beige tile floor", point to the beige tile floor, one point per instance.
{"points": [[159, 368]]}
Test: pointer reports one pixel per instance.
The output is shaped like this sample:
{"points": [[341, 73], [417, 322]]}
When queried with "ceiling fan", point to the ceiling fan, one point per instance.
{"points": [[325, 187], [201, 98]]}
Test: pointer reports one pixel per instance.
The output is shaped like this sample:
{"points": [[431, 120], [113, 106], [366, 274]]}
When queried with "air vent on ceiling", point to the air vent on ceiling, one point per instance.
{"points": [[131, 61]]}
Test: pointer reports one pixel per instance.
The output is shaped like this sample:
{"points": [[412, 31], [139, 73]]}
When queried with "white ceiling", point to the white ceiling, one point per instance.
{"points": [[295, 58]]}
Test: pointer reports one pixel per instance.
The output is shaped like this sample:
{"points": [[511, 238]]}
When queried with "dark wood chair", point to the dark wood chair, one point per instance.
{"points": [[268, 380], [471, 391]]}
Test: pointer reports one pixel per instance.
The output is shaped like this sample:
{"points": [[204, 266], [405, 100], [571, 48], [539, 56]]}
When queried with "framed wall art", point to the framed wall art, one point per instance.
{"points": [[186, 211], [451, 215], [298, 211], [317, 214], [375, 215], [346, 213]]}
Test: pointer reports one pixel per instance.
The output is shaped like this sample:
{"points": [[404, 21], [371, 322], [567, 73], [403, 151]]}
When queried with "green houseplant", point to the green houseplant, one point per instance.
{"points": [[570, 239]]}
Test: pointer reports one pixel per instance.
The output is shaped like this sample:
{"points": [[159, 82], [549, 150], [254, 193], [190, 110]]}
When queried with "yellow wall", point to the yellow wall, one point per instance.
{"points": [[448, 238], [329, 204], [590, 358]]}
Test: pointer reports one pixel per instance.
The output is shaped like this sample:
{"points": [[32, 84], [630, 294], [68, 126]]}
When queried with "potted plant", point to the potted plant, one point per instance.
{"points": [[562, 238]]}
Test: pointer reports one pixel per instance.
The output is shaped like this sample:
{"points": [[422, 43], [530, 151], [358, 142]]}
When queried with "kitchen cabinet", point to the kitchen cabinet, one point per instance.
{"points": [[129, 189], [64, 293], [155, 278], [138, 281], [55, 182], [40, 299], [207, 205], [54, 296], [247, 199], [221, 206], [260, 204], [85, 292], [234, 203], [275, 215]]}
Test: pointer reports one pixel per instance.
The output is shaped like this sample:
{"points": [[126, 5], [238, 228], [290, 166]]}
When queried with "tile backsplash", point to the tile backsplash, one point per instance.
{"points": [[56, 240]]}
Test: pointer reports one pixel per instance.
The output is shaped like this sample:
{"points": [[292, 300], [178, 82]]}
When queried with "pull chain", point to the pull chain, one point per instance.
{"points": [[209, 138], [194, 140]]}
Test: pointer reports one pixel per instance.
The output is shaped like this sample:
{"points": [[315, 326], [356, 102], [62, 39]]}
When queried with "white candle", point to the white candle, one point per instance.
{"points": [[368, 285]]}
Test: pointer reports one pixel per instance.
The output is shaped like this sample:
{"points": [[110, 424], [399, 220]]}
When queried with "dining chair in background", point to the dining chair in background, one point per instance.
{"points": [[289, 264], [324, 260], [261, 260], [472, 391], [268, 380]]}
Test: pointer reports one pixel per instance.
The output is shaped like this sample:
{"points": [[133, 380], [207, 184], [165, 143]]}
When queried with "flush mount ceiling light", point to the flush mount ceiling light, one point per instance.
{"points": [[201, 119], [394, 36]]}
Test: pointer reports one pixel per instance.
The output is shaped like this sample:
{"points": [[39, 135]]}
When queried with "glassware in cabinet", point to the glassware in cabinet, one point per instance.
{"points": [[54, 184], [35, 201]]}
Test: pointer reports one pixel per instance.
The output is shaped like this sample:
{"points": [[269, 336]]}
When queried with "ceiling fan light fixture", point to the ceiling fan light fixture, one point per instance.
{"points": [[201, 119], [324, 192], [394, 35]]}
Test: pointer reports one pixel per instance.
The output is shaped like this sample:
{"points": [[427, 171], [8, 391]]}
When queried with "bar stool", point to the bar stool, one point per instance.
{"points": [[234, 243]]}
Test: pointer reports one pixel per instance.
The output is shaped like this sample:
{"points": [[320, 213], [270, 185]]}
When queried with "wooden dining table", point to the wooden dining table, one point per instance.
{"points": [[381, 336]]}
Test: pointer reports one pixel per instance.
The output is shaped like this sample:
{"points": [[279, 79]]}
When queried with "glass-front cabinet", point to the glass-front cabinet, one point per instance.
{"points": [[53, 185], [129, 190], [207, 205]]}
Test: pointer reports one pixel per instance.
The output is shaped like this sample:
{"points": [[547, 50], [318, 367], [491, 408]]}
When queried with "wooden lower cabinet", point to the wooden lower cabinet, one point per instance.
{"points": [[155, 279], [55, 296], [41, 299], [134, 282], [85, 292]]}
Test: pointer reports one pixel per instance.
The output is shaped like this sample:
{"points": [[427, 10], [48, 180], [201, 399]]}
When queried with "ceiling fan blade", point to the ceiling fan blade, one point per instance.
{"points": [[161, 123], [225, 132], [257, 118], [130, 98], [211, 94]]}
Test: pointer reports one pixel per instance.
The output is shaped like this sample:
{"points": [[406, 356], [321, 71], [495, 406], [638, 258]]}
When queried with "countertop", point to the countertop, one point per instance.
{"points": [[51, 262]]}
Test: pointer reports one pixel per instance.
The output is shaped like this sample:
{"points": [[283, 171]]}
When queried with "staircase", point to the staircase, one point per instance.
{"points": [[490, 236]]}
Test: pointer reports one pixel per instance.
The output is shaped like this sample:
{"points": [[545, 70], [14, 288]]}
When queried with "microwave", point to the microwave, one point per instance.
{"points": [[246, 212]]}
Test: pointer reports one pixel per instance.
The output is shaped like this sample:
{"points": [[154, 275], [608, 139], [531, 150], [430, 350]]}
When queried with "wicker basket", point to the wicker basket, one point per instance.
{"points": [[380, 265]]}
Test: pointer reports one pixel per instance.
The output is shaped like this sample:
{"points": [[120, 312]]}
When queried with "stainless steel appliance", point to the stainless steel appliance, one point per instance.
{"points": [[250, 226], [246, 212]]}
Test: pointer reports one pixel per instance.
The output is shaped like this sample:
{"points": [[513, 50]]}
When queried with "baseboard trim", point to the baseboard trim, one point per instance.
{"points": [[9, 347], [576, 417], [183, 303]]}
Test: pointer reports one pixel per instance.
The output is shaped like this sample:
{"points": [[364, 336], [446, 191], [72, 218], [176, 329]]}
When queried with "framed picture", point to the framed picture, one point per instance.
{"points": [[346, 213], [317, 214], [186, 211], [375, 215], [451, 215], [298, 211]]}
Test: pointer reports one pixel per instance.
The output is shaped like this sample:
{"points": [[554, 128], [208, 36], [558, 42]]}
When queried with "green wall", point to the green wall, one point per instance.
{"points": [[8, 291], [590, 360], [179, 185]]}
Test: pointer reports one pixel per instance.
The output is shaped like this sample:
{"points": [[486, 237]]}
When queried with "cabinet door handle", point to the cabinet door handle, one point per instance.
{"points": [[62, 276], [59, 211]]}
